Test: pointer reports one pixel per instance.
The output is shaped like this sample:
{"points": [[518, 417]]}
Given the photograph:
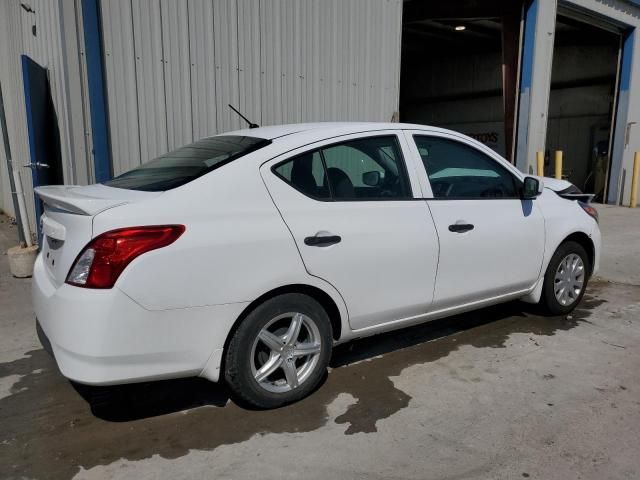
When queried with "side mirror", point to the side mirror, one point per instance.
{"points": [[372, 179], [531, 188]]}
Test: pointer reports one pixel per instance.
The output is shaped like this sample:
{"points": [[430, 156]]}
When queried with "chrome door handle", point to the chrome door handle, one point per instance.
{"points": [[36, 165]]}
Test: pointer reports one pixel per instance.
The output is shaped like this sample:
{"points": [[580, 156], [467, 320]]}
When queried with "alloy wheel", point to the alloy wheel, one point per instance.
{"points": [[286, 352]]}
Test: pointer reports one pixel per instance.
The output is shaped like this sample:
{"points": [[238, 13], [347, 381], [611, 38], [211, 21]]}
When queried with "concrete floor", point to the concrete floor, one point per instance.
{"points": [[498, 393]]}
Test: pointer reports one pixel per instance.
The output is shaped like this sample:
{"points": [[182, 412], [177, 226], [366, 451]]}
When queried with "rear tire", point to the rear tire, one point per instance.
{"points": [[566, 279], [280, 352]]}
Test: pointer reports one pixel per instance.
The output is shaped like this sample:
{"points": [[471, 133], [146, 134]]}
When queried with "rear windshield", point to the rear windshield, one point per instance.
{"points": [[187, 163]]}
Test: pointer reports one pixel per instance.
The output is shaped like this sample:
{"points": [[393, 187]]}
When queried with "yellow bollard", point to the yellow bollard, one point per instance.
{"points": [[634, 180], [540, 162], [559, 164]]}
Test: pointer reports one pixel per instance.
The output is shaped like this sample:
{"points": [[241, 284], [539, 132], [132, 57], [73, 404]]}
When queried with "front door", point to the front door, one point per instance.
{"points": [[491, 241], [350, 208]]}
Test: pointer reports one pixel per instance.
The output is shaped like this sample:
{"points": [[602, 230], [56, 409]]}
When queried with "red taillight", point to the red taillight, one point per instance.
{"points": [[105, 257], [592, 212]]}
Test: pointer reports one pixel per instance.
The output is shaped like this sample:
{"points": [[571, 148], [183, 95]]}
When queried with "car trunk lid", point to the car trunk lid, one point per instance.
{"points": [[67, 221]]}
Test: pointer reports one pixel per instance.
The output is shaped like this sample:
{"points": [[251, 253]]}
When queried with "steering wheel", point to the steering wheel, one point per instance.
{"points": [[441, 188], [389, 187]]}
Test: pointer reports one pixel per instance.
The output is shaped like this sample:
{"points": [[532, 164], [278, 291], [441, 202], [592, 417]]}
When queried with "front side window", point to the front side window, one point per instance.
{"points": [[187, 163], [370, 168], [456, 170]]}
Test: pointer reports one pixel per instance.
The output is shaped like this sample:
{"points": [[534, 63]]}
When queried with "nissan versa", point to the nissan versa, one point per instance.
{"points": [[245, 257]]}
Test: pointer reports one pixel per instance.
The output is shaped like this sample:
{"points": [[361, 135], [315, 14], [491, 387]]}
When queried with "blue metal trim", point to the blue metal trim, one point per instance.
{"points": [[97, 89], [526, 79], [619, 135], [627, 61], [529, 44]]}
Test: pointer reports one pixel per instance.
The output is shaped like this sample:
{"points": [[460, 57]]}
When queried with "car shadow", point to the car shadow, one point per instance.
{"points": [[124, 403], [370, 347], [144, 400]]}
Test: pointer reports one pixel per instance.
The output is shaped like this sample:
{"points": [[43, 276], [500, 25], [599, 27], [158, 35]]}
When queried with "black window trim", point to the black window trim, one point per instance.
{"points": [[331, 199], [517, 183]]}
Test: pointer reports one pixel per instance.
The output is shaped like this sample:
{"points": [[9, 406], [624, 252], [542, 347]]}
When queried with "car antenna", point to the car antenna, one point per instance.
{"points": [[251, 125]]}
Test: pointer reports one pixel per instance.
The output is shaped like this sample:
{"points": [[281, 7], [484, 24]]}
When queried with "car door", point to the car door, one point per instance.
{"points": [[349, 205], [491, 241]]}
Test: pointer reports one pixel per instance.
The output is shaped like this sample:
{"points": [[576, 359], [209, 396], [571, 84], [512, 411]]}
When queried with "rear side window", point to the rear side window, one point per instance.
{"points": [[187, 163], [306, 173], [370, 168]]}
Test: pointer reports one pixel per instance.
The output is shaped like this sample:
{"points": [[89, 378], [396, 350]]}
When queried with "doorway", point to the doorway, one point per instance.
{"points": [[44, 134], [459, 68], [582, 101]]}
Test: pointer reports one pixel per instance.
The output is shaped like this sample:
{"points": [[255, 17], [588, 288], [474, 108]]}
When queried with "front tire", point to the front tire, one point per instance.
{"points": [[566, 278], [280, 352]]}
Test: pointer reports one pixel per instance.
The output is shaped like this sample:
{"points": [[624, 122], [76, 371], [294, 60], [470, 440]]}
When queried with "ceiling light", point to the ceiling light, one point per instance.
{"points": [[460, 28]]}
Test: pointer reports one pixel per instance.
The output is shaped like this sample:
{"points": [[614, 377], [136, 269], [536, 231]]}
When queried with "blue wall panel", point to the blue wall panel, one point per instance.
{"points": [[619, 135], [528, 50], [97, 93]]}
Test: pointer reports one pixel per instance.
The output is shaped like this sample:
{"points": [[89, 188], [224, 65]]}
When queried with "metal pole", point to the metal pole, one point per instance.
{"points": [[558, 172], [634, 181], [12, 184], [540, 163]]}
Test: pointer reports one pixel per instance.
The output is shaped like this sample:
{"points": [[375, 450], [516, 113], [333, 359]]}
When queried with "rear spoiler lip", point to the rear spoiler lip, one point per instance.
{"points": [[583, 197], [586, 197], [574, 193], [75, 203]]}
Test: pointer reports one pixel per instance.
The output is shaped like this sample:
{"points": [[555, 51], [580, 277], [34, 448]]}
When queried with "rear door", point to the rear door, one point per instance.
{"points": [[350, 207], [491, 241]]}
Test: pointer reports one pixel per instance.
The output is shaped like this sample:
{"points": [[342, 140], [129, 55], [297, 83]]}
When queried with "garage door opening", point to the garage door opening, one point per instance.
{"points": [[459, 67], [582, 102]]}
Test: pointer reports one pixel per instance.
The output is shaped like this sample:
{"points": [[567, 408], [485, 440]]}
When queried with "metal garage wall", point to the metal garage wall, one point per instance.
{"points": [[11, 79], [172, 67], [55, 45]]}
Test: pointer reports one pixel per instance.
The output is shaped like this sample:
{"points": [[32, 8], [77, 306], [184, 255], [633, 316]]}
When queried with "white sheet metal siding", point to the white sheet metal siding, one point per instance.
{"points": [[56, 46], [173, 67], [11, 80]]}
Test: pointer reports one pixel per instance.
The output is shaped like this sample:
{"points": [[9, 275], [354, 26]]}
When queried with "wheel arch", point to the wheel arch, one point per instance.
{"points": [[580, 238], [322, 297], [585, 241]]}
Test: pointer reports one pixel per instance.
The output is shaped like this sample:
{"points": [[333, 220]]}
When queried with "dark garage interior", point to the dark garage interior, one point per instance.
{"points": [[460, 71], [582, 101]]}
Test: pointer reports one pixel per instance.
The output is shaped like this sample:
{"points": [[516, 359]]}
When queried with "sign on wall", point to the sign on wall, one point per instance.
{"points": [[489, 133]]}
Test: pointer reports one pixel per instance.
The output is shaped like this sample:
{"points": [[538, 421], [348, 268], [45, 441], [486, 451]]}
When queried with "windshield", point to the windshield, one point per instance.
{"points": [[187, 163]]}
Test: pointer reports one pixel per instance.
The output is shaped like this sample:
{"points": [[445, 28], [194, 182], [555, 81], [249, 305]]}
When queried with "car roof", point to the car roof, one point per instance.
{"points": [[273, 132]]}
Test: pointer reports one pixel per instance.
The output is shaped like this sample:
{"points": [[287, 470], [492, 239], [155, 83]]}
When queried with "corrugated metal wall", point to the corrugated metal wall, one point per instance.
{"points": [[54, 44], [11, 81], [172, 67]]}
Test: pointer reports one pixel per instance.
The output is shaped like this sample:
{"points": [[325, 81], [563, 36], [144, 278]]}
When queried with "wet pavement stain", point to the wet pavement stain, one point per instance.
{"points": [[48, 429]]}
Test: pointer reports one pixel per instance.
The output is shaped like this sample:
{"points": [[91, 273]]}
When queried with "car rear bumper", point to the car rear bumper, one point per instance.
{"points": [[103, 337]]}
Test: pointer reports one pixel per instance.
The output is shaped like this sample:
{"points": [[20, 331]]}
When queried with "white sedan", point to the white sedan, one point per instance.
{"points": [[245, 257]]}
